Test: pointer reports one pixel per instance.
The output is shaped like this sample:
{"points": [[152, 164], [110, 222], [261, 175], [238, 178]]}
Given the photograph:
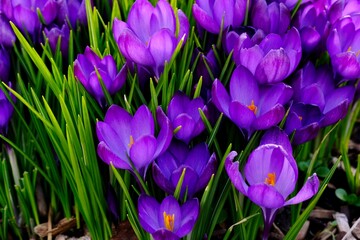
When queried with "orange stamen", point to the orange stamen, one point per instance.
{"points": [[169, 221], [131, 141], [271, 178], [253, 107]]}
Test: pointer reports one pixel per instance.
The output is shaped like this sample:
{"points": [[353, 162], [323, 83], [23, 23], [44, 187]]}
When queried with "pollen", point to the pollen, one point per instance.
{"points": [[169, 220], [252, 107], [131, 142], [271, 178], [300, 118]]}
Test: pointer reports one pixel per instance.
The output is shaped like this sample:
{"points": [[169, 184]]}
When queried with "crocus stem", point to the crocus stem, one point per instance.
{"points": [[269, 217]]}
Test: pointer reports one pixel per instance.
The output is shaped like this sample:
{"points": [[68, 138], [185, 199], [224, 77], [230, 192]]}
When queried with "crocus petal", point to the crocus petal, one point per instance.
{"points": [[249, 57], [118, 28], [184, 25], [49, 11], [347, 65], [142, 152], [270, 118], [189, 182], [187, 127], [207, 172], [133, 49], [224, 12], [241, 115], [310, 38], [139, 19], [265, 196], [198, 157], [165, 15], [337, 105], [205, 20], [107, 134], [232, 169], [312, 94], [119, 80], [120, 121], [165, 134], [333, 43], [189, 213], [108, 156], [274, 67], [161, 46], [307, 191], [220, 97], [278, 137], [142, 123], [162, 234], [148, 213], [243, 86], [161, 180]]}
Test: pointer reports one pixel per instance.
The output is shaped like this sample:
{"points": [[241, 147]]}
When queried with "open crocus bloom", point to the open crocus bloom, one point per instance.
{"points": [[251, 106], [129, 141], [148, 38], [270, 176], [167, 220]]}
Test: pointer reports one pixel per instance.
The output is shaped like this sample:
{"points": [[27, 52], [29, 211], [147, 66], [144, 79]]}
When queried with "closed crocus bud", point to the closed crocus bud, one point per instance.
{"points": [[168, 219], [89, 66], [26, 17], [273, 58], [197, 162], [251, 106], [219, 14], [72, 10], [54, 33], [270, 176], [184, 113], [150, 40], [128, 141], [272, 18], [312, 21], [343, 46]]}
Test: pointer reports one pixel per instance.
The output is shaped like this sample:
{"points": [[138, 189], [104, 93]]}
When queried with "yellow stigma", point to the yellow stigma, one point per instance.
{"points": [[253, 107], [271, 178], [357, 53], [300, 118], [169, 221], [131, 141]]}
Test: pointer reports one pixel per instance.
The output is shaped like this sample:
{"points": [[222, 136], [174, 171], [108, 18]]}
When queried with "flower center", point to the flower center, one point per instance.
{"points": [[300, 118], [271, 178], [252, 107], [131, 141], [357, 53], [169, 221]]}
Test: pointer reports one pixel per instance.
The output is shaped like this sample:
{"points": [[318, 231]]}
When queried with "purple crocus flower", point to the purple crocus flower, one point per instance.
{"points": [[184, 113], [167, 220], [197, 161], [53, 34], [312, 21], [305, 120], [317, 87], [219, 14], [270, 176], [129, 141], [271, 60], [344, 48], [87, 66], [251, 106], [150, 40], [24, 14], [7, 36], [6, 109], [4, 64], [72, 10], [271, 18]]}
